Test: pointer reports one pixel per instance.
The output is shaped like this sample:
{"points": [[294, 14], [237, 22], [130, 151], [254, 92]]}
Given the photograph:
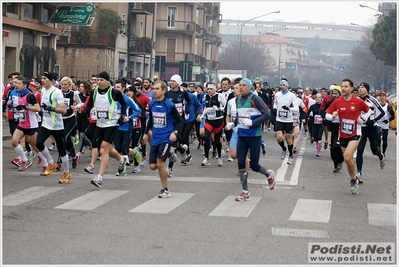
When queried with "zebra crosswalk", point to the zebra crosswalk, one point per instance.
{"points": [[305, 210]]}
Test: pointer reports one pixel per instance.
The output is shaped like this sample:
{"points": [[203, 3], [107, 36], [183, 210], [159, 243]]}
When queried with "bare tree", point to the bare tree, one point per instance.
{"points": [[254, 58], [364, 66]]}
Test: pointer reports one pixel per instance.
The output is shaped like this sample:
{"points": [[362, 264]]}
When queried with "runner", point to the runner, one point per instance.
{"points": [[315, 117], [348, 108], [383, 124], [251, 114], [162, 114]]}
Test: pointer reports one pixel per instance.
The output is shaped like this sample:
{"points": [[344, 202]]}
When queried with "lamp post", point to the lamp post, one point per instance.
{"points": [[379, 15], [355, 24], [239, 52]]}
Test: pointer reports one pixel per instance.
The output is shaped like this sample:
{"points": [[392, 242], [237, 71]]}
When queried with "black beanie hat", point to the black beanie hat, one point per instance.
{"points": [[366, 85], [103, 75], [49, 75]]}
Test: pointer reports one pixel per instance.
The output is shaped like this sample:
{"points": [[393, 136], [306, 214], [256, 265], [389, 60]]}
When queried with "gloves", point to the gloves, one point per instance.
{"points": [[187, 111], [247, 122], [285, 107], [274, 112], [230, 125], [384, 121], [120, 120], [48, 107], [370, 123], [215, 108], [20, 107]]}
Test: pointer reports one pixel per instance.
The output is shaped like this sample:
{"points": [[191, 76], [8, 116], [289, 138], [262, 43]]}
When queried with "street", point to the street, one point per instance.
{"points": [[124, 222]]}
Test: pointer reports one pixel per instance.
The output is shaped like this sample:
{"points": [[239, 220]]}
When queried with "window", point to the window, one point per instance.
{"points": [[46, 14], [170, 49], [12, 8], [172, 14], [45, 41], [30, 11]]}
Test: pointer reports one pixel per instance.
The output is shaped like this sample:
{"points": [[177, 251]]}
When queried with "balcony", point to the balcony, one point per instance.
{"points": [[142, 8], [141, 45], [178, 26], [85, 37]]}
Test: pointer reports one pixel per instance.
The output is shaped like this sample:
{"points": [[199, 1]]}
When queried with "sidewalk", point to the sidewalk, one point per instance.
{"points": [[6, 131]]}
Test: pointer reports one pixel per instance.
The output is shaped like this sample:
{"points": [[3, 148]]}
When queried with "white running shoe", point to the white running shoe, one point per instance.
{"points": [[205, 162]]}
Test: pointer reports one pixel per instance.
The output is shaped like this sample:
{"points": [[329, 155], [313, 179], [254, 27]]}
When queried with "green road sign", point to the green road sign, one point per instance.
{"points": [[73, 14]]}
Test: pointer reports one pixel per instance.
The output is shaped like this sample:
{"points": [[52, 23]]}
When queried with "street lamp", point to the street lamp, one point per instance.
{"points": [[355, 24], [239, 52], [350, 37], [379, 15]]}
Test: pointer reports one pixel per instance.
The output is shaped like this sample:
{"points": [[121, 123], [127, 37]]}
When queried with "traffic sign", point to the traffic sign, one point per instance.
{"points": [[341, 68], [293, 66]]}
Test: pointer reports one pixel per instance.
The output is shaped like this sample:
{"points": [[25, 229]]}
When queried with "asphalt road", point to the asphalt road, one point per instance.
{"points": [[124, 222]]}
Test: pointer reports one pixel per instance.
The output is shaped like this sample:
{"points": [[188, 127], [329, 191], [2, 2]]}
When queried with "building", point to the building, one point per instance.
{"points": [[153, 40]]}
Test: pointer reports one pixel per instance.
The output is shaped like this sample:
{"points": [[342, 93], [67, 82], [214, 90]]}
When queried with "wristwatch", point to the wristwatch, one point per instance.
{"points": [[176, 132]]}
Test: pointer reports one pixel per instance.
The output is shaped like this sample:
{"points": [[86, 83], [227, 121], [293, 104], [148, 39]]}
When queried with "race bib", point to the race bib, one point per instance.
{"points": [[93, 115], [283, 113], [21, 115], [67, 103], [348, 126], [159, 119], [318, 119], [211, 113], [179, 107], [102, 114]]}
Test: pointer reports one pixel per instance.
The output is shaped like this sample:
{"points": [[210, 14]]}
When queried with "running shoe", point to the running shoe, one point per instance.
{"points": [[359, 177], [164, 193], [31, 154], [220, 162], [173, 156], [136, 169], [354, 186], [227, 149], [25, 165], [325, 145], [50, 169], [222, 153], [224, 137], [230, 159], [143, 162], [214, 154], [294, 150], [382, 164], [122, 167], [120, 174], [270, 179], [39, 160], [290, 160], [89, 169], [245, 195], [84, 149], [51, 148], [97, 182], [65, 178], [205, 162], [264, 153], [16, 161], [169, 171], [76, 142], [187, 160], [318, 155], [44, 168], [283, 154], [75, 162], [184, 149], [137, 155]]}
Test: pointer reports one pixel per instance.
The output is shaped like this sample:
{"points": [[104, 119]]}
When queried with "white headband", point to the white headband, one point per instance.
{"points": [[212, 86]]}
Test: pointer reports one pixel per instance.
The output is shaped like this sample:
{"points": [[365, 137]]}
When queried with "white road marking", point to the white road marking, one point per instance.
{"points": [[382, 214], [163, 206], [232, 208], [28, 194], [92, 200], [312, 210]]}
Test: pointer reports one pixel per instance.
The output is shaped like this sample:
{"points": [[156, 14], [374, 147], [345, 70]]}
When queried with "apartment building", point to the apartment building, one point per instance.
{"points": [[153, 40]]}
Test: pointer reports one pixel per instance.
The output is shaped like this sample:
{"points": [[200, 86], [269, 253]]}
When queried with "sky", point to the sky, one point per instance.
{"points": [[339, 12]]}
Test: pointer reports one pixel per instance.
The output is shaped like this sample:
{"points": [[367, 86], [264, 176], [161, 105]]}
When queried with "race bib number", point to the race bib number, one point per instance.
{"points": [[283, 113], [179, 107], [159, 119], [21, 115], [102, 114], [348, 126], [15, 103], [67, 103], [93, 115], [318, 119], [210, 113], [240, 121]]}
